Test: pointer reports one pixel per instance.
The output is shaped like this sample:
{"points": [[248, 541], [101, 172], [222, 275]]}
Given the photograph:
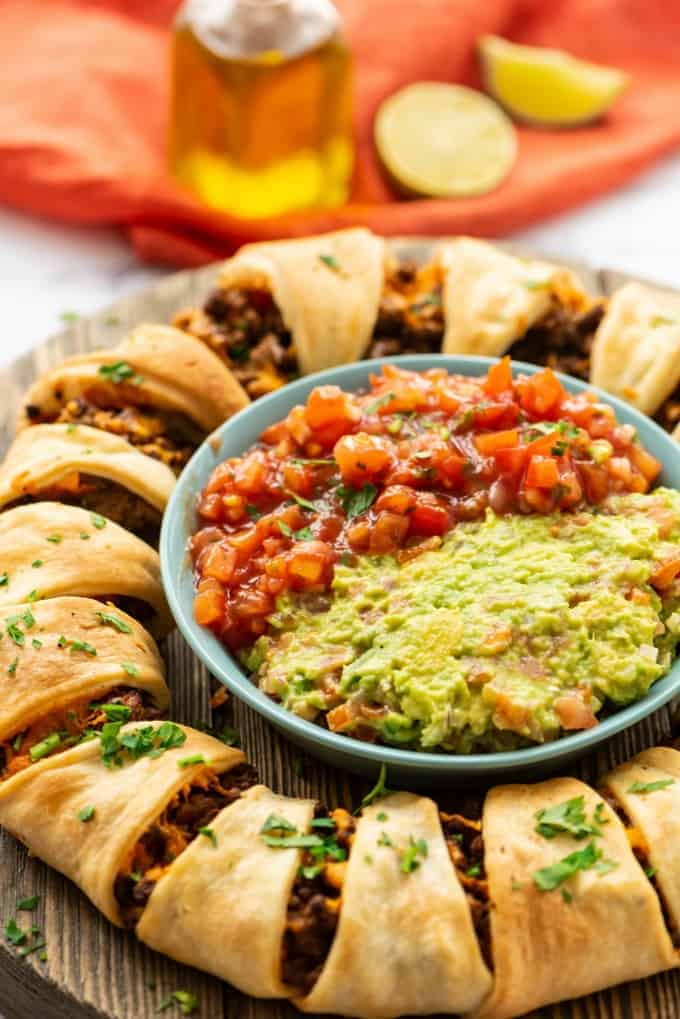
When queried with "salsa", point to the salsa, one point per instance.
{"points": [[392, 470]]}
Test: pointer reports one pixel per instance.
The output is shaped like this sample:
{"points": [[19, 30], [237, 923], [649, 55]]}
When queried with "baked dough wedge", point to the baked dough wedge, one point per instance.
{"points": [[79, 554], [247, 884], [636, 351], [491, 298], [41, 805], [327, 289], [42, 669], [156, 367], [607, 928], [405, 943], [648, 789], [89, 467]]}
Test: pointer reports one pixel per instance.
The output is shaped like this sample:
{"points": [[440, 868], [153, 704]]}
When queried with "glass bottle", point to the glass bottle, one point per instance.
{"points": [[260, 120]]}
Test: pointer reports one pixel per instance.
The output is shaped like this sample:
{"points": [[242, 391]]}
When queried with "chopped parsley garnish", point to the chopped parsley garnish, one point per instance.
{"points": [[355, 501], [409, 861], [330, 261], [87, 813], [33, 596], [382, 401], [567, 896], [188, 1003], [4, 578], [209, 834], [285, 529], [15, 634], [108, 619], [56, 539], [130, 669], [560, 448], [13, 933], [82, 645], [186, 762], [536, 284], [304, 534], [382, 816], [98, 520], [45, 747], [141, 742], [84, 536], [302, 502], [37, 644], [12, 667], [377, 792], [277, 823], [549, 878], [474, 871], [29, 619], [36, 564], [642, 788], [292, 841], [252, 511], [323, 822], [16, 745], [29, 904], [662, 320], [568, 817], [62, 642], [119, 372], [384, 839], [116, 712]]}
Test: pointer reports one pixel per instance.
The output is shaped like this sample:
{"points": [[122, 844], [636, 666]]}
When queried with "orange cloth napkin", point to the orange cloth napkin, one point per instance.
{"points": [[84, 97]]}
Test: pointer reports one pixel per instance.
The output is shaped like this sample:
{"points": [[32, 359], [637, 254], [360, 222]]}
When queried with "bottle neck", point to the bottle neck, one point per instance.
{"points": [[249, 28]]}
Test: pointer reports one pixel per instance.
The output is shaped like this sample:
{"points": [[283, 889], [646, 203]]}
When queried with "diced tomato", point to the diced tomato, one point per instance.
{"points": [[219, 561], [595, 480], [648, 466], [250, 474], [330, 406], [362, 458], [210, 507], [496, 415], [574, 713], [309, 563], [209, 608], [541, 394], [387, 533], [499, 377], [665, 573], [396, 499], [489, 443], [429, 516], [512, 462], [542, 472]]}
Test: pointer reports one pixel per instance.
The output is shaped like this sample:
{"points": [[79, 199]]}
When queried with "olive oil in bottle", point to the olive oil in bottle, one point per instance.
{"points": [[261, 105]]}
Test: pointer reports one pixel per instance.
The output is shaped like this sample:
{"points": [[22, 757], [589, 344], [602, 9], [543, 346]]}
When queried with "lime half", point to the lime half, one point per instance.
{"points": [[444, 140], [547, 87]]}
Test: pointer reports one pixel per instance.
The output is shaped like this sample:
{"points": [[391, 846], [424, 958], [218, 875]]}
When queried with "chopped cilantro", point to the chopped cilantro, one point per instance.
{"points": [[536, 284], [87, 813], [356, 501], [32, 596], [4, 578], [108, 619], [474, 871], [384, 839], [304, 534], [186, 762], [188, 1003], [323, 822], [82, 645], [252, 511], [409, 861], [382, 816], [209, 834], [36, 564], [568, 817], [13, 933], [292, 841], [29, 619], [98, 520], [12, 667], [45, 747], [330, 261], [29, 904], [379, 790], [277, 823], [130, 669], [56, 539], [62, 642], [566, 895], [116, 712], [15, 634], [382, 401], [285, 529], [84, 536], [662, 320], [37, 644], [549, 878], [642, 788], [119, 372], [302, 502]]}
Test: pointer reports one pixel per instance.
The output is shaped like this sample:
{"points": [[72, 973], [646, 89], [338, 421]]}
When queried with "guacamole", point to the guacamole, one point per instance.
{"points": [[510, 632]]}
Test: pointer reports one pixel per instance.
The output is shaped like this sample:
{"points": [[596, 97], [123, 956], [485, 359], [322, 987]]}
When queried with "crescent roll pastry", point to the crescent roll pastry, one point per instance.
{"points": [[326, 288], [87, 467], [48, 550], [569, 915], [493, 300], [83, 811], [636, 351], [405, 943], [646, 790], [247, 884], [58, 658], [159, 389]]}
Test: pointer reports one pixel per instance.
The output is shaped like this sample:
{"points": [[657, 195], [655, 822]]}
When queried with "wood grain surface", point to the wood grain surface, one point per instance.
{"points": [[94, 971]]}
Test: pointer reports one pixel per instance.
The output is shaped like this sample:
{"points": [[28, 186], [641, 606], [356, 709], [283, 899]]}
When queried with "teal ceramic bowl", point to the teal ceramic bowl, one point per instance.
{"points": [[404, 766]]}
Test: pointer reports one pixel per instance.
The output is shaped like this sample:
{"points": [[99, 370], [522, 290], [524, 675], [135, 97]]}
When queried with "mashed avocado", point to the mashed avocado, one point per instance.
{"points": [[513, 629]]}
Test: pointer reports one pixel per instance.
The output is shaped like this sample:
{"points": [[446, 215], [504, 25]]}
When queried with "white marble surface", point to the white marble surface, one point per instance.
{"points": [[48, 269]]}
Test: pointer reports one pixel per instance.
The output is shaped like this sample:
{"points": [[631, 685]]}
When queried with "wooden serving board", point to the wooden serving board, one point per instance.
{"points": [[94, 971]]}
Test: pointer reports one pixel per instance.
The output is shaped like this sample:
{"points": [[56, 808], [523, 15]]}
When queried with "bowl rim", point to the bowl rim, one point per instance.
{"points": [[224, 667]]}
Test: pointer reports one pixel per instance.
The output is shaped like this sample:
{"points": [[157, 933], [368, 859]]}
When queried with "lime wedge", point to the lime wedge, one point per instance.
{"points": [[547, 87], [444, 140]]}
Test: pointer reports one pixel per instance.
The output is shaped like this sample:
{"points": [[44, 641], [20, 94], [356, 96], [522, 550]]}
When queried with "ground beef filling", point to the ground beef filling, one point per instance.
{"points": [[66, 726], [463, 837], [245, 328], [562, 340], [192, 809], [109, 499], [315, 903], [638, 844], [668, 414], [165, 436]]}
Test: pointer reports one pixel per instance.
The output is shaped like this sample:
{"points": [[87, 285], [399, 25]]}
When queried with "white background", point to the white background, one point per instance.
{"points": [[48, 269]]}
